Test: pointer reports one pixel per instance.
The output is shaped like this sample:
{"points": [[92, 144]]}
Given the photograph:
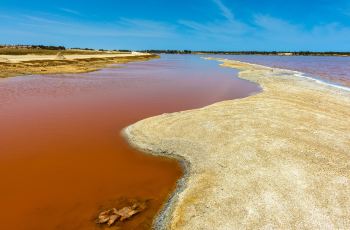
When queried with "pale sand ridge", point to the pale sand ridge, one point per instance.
{"points": [[277, 160], [15, 65], [36, 57]]}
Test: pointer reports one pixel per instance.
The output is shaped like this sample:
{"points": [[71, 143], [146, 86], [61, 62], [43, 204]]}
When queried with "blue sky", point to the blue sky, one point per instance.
{"points": [[321, 25]]}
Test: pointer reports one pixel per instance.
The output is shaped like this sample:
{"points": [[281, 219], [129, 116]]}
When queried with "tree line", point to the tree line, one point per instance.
{"points": [[34, 47], [282, 53]]}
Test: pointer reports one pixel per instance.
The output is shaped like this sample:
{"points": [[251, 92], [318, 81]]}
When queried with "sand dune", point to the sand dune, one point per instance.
{"points": [[276, 160]]}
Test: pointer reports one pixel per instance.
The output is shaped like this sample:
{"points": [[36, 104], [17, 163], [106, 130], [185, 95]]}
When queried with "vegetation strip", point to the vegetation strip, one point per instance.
{"points": [[59, 63]]}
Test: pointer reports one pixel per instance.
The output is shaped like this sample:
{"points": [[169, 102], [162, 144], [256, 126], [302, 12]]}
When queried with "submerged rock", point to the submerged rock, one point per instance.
{"points": [[105, 216], [111, 216], [112, 219]]}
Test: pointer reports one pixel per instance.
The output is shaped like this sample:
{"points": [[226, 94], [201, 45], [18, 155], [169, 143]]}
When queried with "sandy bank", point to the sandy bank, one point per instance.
{"points": [[279, 159], [13, 65]]}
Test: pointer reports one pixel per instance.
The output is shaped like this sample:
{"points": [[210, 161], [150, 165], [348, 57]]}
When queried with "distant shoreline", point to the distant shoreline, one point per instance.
{"points": [[297, 74], [42, 49], [264, 53]]}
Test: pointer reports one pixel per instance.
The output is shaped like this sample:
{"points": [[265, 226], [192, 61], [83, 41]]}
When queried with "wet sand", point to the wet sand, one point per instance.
{"points": [[62, 156], [275, 160]]}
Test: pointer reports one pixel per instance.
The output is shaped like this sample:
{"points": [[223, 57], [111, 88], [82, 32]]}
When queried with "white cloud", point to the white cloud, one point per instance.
{"points": [[217, 28], [261, 32], [70, 11], [287, 35], [41, 20], [146, 27], [269, 23], [265, 32], [225, 29], [124, 27], [225, 11]]}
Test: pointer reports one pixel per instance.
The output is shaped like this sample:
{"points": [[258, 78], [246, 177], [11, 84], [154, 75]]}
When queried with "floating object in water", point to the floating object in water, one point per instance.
{"points": [[111, 216]]}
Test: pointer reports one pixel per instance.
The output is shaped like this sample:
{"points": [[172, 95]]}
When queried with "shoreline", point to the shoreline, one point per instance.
{"points": [[295, 73], [143, 136], [20, 65], [164, 215]]}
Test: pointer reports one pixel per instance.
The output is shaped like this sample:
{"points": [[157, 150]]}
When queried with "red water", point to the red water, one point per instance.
{"points": [[62, 158]]}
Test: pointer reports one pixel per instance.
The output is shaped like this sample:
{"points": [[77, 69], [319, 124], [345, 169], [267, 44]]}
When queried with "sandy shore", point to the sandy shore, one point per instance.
{"points": [[14, 65], [276, 160]]}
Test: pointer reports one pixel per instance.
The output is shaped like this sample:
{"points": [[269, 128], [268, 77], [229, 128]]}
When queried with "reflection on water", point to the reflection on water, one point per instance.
{"points": [[62, 158], [327, 68]]}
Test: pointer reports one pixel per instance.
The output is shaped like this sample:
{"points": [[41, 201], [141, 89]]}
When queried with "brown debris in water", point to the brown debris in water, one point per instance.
{"points": [[111, 216]]}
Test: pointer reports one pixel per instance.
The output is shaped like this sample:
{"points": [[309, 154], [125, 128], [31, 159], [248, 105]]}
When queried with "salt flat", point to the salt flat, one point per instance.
{"points": [[279, 159]]}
